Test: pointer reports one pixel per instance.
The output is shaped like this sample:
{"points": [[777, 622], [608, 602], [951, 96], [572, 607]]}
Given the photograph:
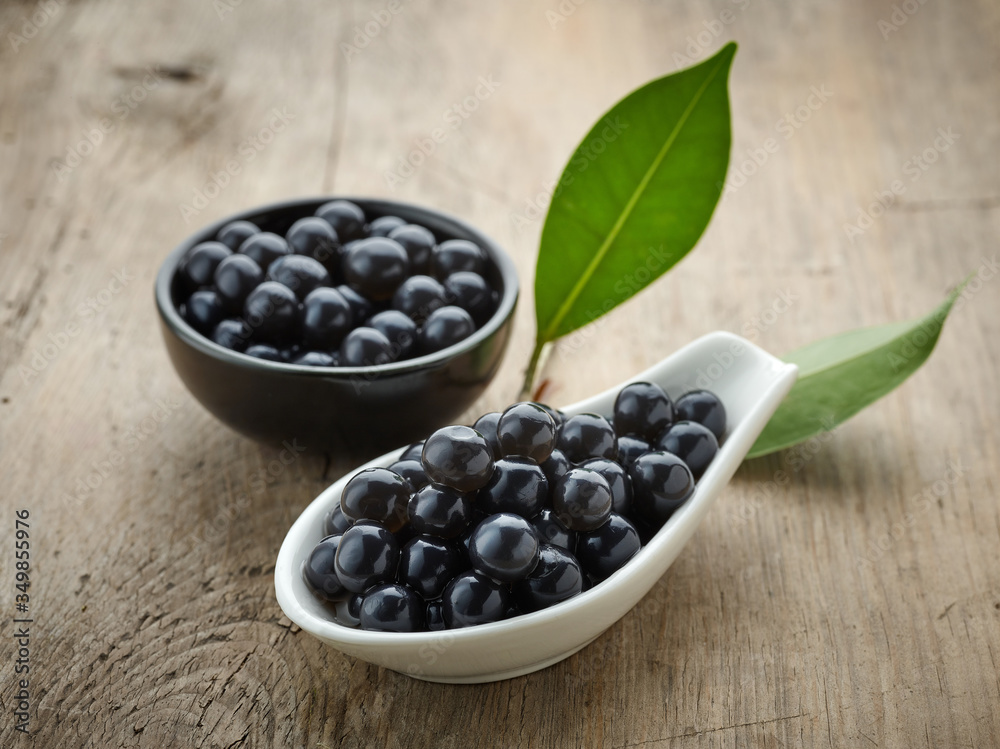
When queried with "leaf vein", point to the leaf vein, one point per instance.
{"points": [[629, 206]]}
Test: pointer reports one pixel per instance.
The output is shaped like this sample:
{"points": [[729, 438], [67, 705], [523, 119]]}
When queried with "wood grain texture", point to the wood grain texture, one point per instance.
{"points": [[852, 601]]}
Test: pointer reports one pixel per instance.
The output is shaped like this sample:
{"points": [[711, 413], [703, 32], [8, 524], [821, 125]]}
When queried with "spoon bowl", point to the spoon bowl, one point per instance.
{"points": [[749, 381]]}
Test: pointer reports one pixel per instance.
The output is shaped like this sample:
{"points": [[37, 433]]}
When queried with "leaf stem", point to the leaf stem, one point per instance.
{"points": [[532, 370]]}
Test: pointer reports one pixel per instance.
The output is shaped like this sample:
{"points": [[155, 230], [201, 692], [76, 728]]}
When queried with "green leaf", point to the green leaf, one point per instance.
{"points": [[635, 197], [840, 375]]}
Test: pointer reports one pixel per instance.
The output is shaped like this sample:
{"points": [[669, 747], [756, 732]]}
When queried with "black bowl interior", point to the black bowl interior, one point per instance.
{"points": [[279, 219], [357, 410]]}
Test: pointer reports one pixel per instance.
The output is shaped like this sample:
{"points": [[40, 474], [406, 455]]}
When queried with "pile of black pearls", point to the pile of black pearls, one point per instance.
{"points": [[335, 290], [521, 511]]}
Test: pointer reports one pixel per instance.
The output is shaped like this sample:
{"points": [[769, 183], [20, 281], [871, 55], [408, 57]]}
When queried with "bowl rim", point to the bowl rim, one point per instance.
{"points": [[172, 318], [681, 524]]}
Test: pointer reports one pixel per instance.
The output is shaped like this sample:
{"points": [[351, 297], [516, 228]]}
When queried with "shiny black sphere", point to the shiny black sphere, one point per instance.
{"points": [[367, 555], [264, 351], [618, 480], [316, 359], [428, 563], [472, 598], [365, 347], [471, 292], [272, 310], [693, 443], [299, 273], [418, 296], [550, 530], [434, 616], [582, 499], [235, 277], [556, 578], [383, 226], [413, 472], [418, 243], [235, 233], [264, 248], [392, 608], [319, 570], [346, 218], [198, 266], [377, 494], [587, 436], [526, 430], [642, 409], [316, 239], [413, 452], [517, 485], [630, 448], [456, 255], [439, 511], [232, 333], [336, 522], [361, 307], [555, 467], [203, 310], [348, 610], [445, 327], [325, 319], [399, 329], [504, 547], [661, 482], [604, 551], [459, 457], [376, 267], [487, 426], [703, 407]]}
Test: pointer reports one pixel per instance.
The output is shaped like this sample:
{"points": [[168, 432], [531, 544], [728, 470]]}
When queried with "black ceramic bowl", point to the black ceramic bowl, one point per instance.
{"points": [[356, 410]]}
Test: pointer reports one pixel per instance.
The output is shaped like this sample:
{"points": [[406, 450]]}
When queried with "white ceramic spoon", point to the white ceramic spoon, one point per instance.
{"points": [[749, 381]]}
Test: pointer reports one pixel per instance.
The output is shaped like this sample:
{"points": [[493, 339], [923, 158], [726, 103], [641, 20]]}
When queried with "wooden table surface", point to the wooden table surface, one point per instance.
{"points": [[856, 604]]}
